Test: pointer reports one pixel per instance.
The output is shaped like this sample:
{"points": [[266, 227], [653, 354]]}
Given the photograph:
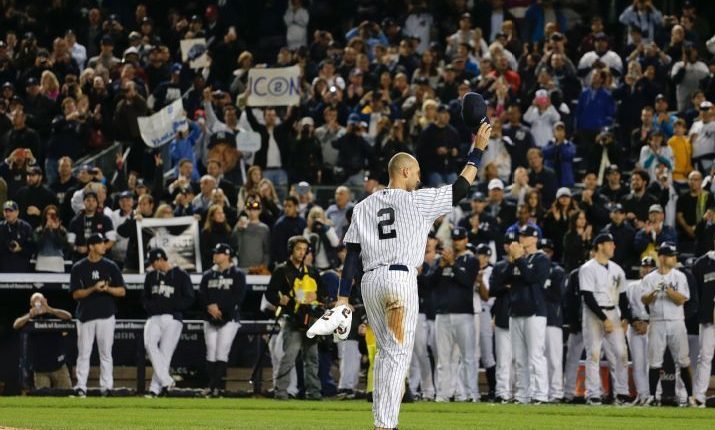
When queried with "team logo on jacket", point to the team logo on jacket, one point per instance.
{"points": [[221, 283], [95, 275], [163, 290]]}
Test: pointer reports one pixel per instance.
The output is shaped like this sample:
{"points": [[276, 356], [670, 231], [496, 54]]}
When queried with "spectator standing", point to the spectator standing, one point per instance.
{"points": [[558, 156], [251, 238], [577, 241], [50, 238], [542, 116], [215, 231], [34, 197], [16, 241], [288, 225]]}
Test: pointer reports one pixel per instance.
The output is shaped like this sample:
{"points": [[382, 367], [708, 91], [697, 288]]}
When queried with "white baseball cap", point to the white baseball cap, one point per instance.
{"points": [[563, 191], [495, 183]]}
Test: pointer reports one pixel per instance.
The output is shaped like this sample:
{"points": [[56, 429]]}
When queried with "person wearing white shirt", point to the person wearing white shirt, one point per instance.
{"points": [[497, 152], [118, 253], [296, 20], [542, 116], [77, 51], [600, 56], [664, 292]]}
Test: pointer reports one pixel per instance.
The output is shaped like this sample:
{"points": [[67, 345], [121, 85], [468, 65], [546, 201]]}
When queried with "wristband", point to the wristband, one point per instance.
{"points": [[475, 157]]}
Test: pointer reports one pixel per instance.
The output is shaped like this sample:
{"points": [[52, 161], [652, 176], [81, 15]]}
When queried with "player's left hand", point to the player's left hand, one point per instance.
{"points": [[336, 321]]}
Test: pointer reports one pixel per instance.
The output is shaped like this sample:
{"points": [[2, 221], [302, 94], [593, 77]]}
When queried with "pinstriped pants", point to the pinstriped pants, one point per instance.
{"points": [[391, 302]]}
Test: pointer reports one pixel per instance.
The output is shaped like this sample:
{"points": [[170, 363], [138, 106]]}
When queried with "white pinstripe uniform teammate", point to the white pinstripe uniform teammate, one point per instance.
{"points": [[389, 233], [665, 291], [638, 332], [485, 337], [603, 288]]}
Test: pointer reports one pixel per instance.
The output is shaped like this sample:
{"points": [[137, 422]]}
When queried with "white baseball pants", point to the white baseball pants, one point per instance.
{"points": [[616, 352], [638, 344], [668, 334], [161, 335], [219, 340], [486, 339], [528, 347], [349, 355], [555, 361], [87, 332], [504, 371], [574, 349], [456, 330], [392, 304], [420, 366], [705, 359]]}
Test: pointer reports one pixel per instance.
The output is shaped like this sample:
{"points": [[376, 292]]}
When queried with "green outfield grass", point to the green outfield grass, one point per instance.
{"points": [[139, 413]]}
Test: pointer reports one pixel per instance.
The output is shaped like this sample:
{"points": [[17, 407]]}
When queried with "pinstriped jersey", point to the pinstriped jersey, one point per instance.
{"points": [[391, 226]]}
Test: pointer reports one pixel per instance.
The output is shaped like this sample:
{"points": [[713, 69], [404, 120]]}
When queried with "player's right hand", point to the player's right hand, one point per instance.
{"points": [[336, 321], [481, 139]]}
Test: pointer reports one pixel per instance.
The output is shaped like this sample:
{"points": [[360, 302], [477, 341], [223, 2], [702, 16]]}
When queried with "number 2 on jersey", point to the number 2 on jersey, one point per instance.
{"points": [[383, 230]]}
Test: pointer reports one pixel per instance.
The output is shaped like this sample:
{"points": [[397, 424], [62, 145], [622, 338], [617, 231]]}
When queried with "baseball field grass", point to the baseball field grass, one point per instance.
{"points": [[139, 413]]}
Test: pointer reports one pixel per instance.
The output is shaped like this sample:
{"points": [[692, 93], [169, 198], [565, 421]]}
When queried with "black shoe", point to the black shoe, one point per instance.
{"points": [[594, 401], [407, 397], [79, 393]]}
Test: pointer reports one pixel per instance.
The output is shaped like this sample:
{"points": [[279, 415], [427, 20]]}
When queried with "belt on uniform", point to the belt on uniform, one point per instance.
{"points": [[608, 308], [398, 267]]}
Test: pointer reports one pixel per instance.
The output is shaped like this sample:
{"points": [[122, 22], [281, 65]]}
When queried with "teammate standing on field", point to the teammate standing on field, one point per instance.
{"points": [[554, 291], [389, 232], [664, 291], [483, 320], [500, 290], [572, 311], [221, 294], [704, 272], [167, 294], [454, 322], [638, 332], [527, 323], [95, 282], [603, 289]]}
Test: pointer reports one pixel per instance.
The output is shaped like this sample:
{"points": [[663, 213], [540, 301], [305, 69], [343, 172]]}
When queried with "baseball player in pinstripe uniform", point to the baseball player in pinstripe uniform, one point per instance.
{"points": [[603, 289], [388, 233], [484, 323], [500, 290], [572, 310], [554, 322], [704, 271], [664, 291], [167, 294], [638, 332]]}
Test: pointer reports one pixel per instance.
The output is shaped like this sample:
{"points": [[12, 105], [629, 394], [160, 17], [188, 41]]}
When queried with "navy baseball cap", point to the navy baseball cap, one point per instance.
{"points": [[616, 207], [34, 170], [484, 249], [479, 197], [668, 249], [155, 254], [176, 68], [546, 243], [88, 194], [353, 118], [511, 237], [10, 205], [648, 261], [96, 238], [474, 111], [126, 195], [602, 238], [459, 233], [472, 248], [529, 231], [222, 248]]}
